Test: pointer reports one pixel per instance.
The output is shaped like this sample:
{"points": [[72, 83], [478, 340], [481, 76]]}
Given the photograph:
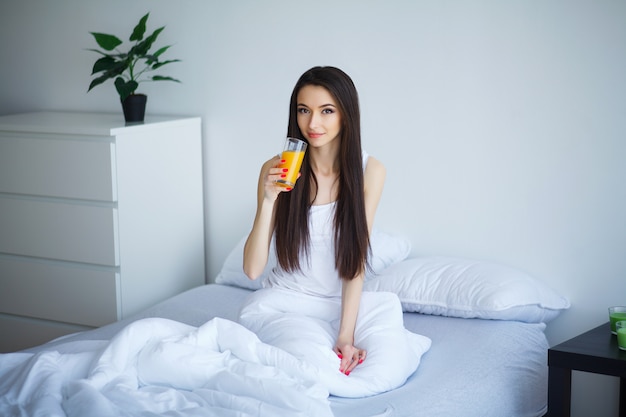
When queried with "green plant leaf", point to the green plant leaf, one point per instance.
{"points": [[163, 78], [106, 42], [140, 29], [103, 64], [97, 81], [160, 64], [98, 51], [160, 51], [144, 46], [118, 57], [112, 72], [131, 65], [125, 88], [152, 58]]}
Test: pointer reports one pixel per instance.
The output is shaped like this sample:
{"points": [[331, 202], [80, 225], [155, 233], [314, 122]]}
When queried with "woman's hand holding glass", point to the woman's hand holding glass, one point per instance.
{"points": [[275, 173]]}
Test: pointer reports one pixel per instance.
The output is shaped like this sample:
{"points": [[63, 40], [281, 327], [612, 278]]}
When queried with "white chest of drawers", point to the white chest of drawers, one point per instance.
{"points": [[98, 220]]}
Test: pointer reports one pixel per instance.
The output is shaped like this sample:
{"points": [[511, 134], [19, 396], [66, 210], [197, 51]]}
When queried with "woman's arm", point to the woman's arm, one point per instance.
{"points": [[256, 249], [351, 356], [374, 180]]}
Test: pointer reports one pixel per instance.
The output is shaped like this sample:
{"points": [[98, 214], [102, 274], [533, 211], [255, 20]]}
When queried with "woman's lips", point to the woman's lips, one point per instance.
{"points": [[315, 135]]}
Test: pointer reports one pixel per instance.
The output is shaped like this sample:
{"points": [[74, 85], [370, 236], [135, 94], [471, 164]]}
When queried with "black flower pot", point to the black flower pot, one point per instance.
{"points": [[134, 107]]}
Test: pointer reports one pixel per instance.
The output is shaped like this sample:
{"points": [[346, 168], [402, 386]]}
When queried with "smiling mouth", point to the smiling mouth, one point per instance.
{"points": [[315, 135]]}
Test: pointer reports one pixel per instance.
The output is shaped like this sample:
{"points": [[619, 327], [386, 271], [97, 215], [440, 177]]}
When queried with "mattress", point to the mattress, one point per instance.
{"points": [[475, 367]]}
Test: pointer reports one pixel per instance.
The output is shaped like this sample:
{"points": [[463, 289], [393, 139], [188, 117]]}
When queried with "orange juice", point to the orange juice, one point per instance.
{"points": [[293, 161]]}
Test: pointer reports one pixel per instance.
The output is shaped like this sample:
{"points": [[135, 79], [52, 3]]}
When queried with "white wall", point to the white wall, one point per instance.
{"points": [[500, 122]]}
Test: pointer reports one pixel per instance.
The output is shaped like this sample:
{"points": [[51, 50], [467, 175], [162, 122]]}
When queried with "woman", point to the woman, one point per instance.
{"points": [[321, 227]]}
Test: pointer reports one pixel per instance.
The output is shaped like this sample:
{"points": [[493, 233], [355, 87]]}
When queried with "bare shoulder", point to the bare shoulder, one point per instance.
{"points": [[375, 168]]}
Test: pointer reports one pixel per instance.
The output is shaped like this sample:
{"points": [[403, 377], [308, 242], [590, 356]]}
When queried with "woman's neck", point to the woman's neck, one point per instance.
{"points": [[325, 161], [326, 172]]}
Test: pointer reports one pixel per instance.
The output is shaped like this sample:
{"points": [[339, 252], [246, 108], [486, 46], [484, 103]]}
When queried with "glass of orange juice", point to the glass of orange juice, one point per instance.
{"points": [[293, 154]]}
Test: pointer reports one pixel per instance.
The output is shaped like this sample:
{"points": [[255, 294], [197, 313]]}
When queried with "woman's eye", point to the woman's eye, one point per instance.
{"points": [[328, 111], [303, 110]]}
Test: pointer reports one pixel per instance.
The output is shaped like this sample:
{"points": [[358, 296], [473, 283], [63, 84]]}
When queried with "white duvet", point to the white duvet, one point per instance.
{"points": [[162, 367], [307, 327]]}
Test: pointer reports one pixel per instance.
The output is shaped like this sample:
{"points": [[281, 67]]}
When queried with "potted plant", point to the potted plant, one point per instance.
{"points": [[130, 68]]}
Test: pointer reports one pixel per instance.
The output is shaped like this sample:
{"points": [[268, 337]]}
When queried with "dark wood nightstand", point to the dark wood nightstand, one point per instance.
{"points": [[595, 351]]}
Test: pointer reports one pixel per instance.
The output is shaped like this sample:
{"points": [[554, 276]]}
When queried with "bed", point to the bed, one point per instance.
{"points": [[487, 358]]}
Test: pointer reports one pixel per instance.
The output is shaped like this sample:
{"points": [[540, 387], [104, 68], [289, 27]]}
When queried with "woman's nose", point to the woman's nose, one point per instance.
{"points": [[314, 120]]}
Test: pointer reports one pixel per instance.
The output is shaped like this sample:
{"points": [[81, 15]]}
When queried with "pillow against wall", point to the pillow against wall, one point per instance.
{"points": [[467, 288], [232, 269], [387, 249]]}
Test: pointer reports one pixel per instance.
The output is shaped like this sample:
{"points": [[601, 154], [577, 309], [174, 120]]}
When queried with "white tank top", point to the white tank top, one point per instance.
{"points": [[318, 275]]}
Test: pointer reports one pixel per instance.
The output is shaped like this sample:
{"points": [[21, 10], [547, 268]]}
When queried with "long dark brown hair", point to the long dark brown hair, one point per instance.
{"points": [[292, 209]]}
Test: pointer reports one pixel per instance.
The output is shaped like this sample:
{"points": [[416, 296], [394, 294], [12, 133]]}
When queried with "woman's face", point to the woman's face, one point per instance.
{"points": [[318, 115]]}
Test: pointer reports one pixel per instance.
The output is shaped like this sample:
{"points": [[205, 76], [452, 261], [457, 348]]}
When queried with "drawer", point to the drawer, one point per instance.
{"points": [[55, 167], [53, 291], [21, 332], [69, 232]]}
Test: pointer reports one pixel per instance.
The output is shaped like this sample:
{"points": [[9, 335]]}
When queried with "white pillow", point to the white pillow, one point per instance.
{"points": [[387, 249], [468, 289]]}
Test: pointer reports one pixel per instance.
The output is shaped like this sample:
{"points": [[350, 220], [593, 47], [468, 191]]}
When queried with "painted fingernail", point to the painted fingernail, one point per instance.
{"points": [[282, 161], [340, 356], [285, 169], [283, 175], [347, 373], [360, 361], [288, 188]]}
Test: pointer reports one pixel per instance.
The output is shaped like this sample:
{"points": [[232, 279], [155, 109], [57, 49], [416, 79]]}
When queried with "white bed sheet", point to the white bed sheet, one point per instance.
{"points": [[482, 368]]}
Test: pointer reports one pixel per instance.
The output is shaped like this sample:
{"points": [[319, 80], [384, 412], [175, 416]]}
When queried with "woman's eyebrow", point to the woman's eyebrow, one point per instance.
{"points": [[323, 105]]}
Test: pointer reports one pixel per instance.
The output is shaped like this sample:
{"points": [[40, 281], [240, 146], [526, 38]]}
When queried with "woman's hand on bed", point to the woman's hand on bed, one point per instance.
{"points": [[350, 356]]}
